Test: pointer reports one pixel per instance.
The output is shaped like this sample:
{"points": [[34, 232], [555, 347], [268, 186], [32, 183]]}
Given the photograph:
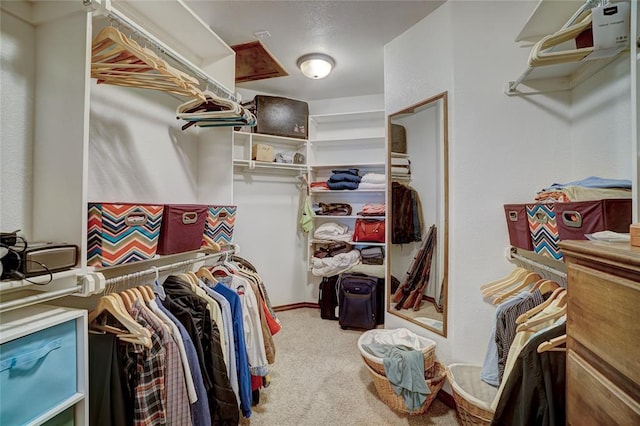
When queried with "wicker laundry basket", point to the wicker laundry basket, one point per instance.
{"points": [[398, 336], [473, 396], [396, 402]]}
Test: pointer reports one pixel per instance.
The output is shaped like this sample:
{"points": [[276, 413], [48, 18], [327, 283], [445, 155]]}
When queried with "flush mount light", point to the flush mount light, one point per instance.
{"points": [[316, 65]]}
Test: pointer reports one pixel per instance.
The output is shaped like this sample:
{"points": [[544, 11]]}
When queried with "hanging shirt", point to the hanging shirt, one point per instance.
{"points": [[216, 316], [242, 362], [229, 337], [200, 414], [176, 396]]}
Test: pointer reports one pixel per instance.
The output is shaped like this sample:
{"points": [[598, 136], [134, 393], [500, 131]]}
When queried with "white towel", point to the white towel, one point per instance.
{"points": [[400, 170], [400, 161], [373, 178]]}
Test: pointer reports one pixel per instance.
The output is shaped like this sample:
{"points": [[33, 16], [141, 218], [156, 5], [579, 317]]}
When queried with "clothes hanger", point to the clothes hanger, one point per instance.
{"points": [[205, 273], [553, 344], [512, 275], [539, 56], [113, 305], [542, 319], [531, 312], [519, 275], [530, 279], [126, 300]]}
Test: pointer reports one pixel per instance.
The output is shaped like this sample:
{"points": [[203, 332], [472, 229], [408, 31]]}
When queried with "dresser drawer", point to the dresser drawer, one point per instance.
{"points": [[604, 317], [594, 400], [37, 372]]}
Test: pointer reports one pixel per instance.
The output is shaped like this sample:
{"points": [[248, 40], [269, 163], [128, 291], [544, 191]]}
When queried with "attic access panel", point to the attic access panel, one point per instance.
{"points": [[255, 62]]}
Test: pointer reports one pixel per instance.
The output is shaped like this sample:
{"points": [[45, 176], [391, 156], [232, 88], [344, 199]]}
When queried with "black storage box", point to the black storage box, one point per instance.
{"points": [[280, 116]]}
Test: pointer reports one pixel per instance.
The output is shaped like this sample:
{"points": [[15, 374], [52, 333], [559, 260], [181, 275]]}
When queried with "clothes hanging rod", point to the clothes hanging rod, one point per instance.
{"points": [[38, 298], [588, 4], [537, 267], [108, 11], [153, 270]]}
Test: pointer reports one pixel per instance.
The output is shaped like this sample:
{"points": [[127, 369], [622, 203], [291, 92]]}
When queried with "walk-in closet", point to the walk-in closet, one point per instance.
{"points": [[440, 225]]}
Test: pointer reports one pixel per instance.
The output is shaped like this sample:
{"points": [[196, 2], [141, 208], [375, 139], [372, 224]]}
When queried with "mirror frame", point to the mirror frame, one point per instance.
{"points": [[445, 176]]}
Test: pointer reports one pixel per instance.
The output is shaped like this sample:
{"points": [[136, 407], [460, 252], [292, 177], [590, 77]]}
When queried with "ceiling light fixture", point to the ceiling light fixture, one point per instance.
{"points": [[316, 65]]}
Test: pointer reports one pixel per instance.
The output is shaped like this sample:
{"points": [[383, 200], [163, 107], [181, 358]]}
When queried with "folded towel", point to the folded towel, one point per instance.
{"points": [[374, 178], [400, 161], [399, 170]]}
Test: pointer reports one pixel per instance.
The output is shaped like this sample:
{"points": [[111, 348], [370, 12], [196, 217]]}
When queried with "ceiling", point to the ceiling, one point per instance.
{"points": [[352, 32]]}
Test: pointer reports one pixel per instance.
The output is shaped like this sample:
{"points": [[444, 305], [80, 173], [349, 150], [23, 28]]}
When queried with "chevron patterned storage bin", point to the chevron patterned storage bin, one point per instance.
{"points": [[219, 226], [544, 229], [122, 233]]}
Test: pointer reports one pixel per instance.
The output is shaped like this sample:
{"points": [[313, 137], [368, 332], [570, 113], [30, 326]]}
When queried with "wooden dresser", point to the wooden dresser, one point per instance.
{"points": [[603, 333]]}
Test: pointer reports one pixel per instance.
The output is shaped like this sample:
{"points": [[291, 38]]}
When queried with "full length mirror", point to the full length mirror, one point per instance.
{"points": [[418, 248]]}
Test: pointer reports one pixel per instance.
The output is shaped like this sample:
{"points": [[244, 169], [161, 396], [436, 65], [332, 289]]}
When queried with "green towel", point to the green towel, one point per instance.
{"points": [[404, 368], [306, 218]]}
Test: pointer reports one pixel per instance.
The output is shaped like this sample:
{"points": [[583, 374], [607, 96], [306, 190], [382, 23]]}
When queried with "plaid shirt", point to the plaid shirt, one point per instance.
{"points": [[145, 368], [177, 399]]}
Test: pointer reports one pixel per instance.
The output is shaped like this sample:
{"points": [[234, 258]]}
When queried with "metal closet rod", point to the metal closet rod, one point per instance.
{"points": [[537, 267], [177, 265], [211, 83], [588, 4]]}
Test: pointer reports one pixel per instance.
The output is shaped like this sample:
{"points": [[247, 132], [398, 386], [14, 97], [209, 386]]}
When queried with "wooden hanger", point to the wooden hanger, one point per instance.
{"points": [[553, 344], [542, 319], [518, 271], [113, 305], [127, 300], [530, 279], [205, 273], [520, 274], [531, 312]]}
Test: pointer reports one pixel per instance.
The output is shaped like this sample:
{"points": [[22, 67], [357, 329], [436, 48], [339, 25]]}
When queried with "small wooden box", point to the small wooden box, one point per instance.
{"points": [[262, 152], [634, 232]]}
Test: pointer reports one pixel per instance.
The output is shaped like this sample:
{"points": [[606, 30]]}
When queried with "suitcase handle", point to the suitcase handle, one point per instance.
{"points": [[135, 219], [28, 360], [513, 215], [540, 218], [189, 218], [572, 219], [222, 215]]}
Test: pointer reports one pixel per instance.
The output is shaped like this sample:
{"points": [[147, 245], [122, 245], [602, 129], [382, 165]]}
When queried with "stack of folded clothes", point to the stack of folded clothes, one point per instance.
{"points": [[373, 181], [400, 168], [591, 188], [344, 179]]}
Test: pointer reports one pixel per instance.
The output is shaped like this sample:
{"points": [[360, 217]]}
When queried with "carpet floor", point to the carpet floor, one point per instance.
{"points": [[319, 378]]}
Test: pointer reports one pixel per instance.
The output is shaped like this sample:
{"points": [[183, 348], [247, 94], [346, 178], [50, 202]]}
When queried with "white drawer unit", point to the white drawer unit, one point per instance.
{"points": [[43, 365]]}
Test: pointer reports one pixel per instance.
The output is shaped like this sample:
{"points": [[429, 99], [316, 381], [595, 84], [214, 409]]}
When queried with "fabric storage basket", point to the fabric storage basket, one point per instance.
{"points": [[122, 233], [544, 229], [473, 396], [37, 373], [577, 218], [518, 226], [398, 336], [396, 402], [219, 225], [182, 228]]}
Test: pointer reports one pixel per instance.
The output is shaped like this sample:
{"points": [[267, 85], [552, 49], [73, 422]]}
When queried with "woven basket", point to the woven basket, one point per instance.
{"points": [[427, 346], [473, 397], [396, 402]]}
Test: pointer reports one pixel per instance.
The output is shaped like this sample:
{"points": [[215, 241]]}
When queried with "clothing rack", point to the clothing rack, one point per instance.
{"points": [[588, 4], [108, 11], [557, 274], [173, 266]]}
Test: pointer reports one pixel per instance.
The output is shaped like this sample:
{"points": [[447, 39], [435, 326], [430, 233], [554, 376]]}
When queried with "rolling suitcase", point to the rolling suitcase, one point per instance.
{"points": [[357, 296], [328, 297]]}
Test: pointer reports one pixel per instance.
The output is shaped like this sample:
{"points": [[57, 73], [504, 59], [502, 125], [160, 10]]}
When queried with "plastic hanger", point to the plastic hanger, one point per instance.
{"points": [[553, 344], [530, 279], [539, 56]]}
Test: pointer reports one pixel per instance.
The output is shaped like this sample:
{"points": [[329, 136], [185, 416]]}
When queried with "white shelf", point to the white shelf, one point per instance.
{"points": [[354, 116], [353, 243], [282, 140], [40, 279], [347, 166], [357, 139], [251, 164], [549, 17], [343, 191], [24, 321]]}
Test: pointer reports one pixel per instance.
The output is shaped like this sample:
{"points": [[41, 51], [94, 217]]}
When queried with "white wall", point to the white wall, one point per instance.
{"points": [[17, 90], [502, 149]]}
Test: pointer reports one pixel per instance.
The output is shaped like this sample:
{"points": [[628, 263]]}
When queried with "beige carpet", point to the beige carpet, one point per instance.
{"points": [[319, 378]]}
